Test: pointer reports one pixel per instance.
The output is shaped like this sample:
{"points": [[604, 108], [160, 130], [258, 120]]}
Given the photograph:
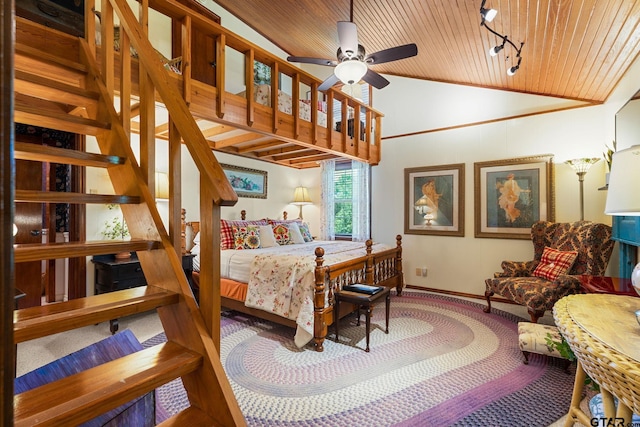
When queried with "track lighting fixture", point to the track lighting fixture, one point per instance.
{"points": [[487, 16]]}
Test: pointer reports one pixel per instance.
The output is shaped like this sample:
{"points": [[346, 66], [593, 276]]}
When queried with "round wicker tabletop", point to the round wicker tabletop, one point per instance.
{"points": [[604, 334]]}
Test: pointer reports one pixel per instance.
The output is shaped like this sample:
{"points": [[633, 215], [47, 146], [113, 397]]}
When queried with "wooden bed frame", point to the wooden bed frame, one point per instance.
{"points": [[381, 269]]}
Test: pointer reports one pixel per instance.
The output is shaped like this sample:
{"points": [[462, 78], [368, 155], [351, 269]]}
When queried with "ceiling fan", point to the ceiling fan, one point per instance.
{"points": [[352, 64]]}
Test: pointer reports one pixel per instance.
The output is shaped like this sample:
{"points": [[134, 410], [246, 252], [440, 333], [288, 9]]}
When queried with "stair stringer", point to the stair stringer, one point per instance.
{"points": [[208, 387]]}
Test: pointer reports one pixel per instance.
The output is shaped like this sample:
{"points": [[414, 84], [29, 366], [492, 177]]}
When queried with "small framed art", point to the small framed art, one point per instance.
{"points": [[434, 200], [247, 182]]}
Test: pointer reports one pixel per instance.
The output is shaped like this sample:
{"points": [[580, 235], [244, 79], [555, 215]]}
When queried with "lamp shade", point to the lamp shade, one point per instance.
{"points": [[301, 197], [582, 165], [350, 71], [162, 185], [623, 195]]}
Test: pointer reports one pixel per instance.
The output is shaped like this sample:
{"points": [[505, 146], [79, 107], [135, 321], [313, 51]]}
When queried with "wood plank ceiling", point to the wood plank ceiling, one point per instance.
{"points": [[574, 49]]}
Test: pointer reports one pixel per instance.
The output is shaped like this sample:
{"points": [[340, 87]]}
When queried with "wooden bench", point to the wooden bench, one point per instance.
{"points": [[357, 294]]}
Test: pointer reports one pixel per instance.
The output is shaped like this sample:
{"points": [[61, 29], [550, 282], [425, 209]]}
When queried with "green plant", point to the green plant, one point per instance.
{"points": [[608, 155], [565, 351], [116, 228]]}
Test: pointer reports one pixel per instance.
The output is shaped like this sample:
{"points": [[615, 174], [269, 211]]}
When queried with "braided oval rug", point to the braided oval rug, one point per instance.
{"points": [[444, 362]]}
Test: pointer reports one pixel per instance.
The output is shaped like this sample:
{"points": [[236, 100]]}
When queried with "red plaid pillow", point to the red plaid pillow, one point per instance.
{"points": [[554, 263], [226, 231]]}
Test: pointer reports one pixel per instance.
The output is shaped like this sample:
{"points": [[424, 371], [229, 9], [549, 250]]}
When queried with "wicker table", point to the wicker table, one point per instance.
{"points": [[603, 333]]}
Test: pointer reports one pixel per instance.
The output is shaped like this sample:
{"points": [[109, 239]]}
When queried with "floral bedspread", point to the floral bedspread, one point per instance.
{"points": [[283, 283]]}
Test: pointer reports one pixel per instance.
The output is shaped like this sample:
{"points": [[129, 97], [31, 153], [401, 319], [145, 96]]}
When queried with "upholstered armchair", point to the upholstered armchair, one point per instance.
{"points": [[572, 249]]}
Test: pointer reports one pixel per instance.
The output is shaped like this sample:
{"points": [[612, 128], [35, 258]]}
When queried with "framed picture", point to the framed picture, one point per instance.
{"points": [[510, 195], [247, 182], [434, 200]]}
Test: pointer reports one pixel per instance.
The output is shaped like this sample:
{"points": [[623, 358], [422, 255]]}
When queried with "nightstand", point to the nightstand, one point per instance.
{"points": [[113, 274]]}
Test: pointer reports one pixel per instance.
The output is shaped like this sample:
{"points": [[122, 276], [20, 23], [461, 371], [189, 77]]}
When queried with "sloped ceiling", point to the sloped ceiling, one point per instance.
{"points": [[573, 49]]}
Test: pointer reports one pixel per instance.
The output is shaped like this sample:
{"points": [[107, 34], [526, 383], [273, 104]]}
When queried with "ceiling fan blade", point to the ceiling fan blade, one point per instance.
{"points": [[375, 79], [348, 38], [392, 54], [318, 61], [329, 82]]}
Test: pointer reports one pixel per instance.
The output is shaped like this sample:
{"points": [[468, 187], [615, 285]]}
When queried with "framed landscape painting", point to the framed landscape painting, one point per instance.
{"points": [[510, 195], [434, 200], [247, 182]]}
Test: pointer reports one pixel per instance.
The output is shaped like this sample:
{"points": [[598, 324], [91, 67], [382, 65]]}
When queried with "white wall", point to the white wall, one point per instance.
{"points": [[461, 264]]}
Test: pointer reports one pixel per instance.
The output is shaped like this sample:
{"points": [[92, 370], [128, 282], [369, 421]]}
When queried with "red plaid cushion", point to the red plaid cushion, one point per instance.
{"points": [[554, 263], [226, 231]]}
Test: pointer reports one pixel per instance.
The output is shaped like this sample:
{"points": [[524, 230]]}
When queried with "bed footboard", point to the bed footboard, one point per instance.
{"points": [[380, 269]]}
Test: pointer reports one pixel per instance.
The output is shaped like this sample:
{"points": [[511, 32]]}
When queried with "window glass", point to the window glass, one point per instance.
{"points": [[343, 199]]}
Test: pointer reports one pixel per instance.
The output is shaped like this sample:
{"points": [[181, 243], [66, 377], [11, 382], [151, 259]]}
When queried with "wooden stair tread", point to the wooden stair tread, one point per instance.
{"points": [[83, 396], [70, 197], [53, 90], [35, 322], [38, 252], [190, 416], [45, 114], [42, 56], [45, 153]]}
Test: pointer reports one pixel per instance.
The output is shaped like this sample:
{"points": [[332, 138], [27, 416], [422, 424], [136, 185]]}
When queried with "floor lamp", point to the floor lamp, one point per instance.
{"points": [[623, 195], [581, 167]]}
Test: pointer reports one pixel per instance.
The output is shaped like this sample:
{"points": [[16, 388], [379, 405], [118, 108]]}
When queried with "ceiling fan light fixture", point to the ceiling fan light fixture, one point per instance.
{"points": [[350, 72]]}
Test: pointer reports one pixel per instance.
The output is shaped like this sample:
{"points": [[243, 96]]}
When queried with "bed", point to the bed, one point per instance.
{"points": [[293, 283]]}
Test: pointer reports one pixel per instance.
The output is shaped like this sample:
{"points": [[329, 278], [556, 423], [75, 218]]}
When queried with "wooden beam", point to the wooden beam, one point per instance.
{"points": [[248, 78], [250, 136], [220, 74], [261, 146]]}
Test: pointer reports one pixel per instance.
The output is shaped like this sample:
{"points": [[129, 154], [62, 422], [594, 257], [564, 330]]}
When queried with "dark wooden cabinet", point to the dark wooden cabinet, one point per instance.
{"points": [[113, 274]]}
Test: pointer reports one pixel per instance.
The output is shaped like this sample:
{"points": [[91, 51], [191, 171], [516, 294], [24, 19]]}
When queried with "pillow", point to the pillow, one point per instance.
{"points": [[554, 263], [267, 239], [196, 240], [295, 234], [306, 233], [246, 237], [226, 231], [281, 232]]}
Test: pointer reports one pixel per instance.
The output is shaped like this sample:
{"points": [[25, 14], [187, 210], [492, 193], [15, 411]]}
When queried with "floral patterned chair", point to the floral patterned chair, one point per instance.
{"points": [[562, 252]]}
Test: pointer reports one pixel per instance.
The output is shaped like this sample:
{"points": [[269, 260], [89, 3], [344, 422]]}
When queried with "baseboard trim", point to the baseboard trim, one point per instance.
{"points": [[459, 294]]}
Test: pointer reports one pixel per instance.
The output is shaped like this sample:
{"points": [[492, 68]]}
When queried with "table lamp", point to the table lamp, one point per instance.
{"points": [[623, 197], [301, 198]]}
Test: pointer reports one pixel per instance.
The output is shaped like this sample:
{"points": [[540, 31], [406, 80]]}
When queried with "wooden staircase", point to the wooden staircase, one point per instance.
{"points": [[62, 88]]}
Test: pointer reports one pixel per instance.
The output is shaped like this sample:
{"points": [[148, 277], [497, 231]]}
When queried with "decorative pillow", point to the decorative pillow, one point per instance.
{"points": [[281, 232], [267, 239], [246, 237], [226, 231], [554, 263], [295, 234], [306, 233], [196, 240]]}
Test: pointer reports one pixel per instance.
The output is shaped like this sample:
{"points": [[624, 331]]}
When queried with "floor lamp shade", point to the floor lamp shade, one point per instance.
{"points": [[623, 195]]}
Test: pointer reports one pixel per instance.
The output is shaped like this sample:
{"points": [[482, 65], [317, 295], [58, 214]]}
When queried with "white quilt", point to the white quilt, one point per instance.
{"points": [[283, 281]]}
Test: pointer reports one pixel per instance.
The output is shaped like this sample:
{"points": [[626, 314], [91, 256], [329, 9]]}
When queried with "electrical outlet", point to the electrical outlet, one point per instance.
{"points": [[418, 271], [424, 271]]}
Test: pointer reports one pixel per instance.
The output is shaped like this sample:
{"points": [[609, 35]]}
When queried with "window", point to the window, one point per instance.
{"points": [[343, 199], [346, 200]]}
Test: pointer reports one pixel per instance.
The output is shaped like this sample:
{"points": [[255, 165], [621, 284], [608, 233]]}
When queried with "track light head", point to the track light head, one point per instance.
{"points": [[494, 50], [488, 14]]}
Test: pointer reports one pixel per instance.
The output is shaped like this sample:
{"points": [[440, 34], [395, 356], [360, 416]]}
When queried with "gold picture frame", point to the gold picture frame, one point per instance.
{"points": [[434, 200], [511, 194], [246, 182]]}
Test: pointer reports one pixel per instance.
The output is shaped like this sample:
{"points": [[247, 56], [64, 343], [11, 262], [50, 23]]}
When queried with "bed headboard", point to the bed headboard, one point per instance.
{"points": [[191, 228]]}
